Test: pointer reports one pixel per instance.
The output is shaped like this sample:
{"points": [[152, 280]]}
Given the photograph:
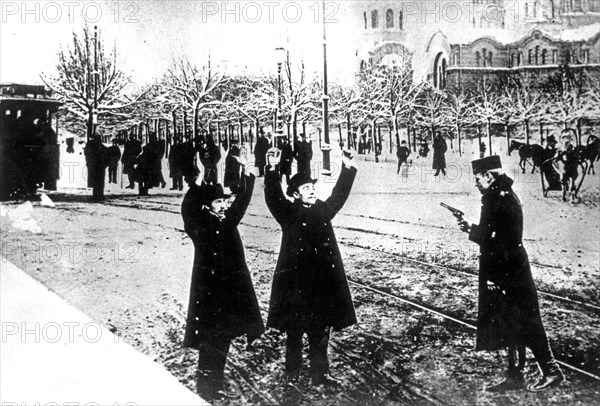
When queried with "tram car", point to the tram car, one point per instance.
{"points": [[29, 150]]}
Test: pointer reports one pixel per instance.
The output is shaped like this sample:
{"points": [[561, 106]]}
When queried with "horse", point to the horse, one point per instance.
{"points": [[533, 151], [590, 152]]}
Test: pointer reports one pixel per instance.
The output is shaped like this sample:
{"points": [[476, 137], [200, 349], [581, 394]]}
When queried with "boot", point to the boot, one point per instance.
{"points": [[325, 379], [553, 378]]}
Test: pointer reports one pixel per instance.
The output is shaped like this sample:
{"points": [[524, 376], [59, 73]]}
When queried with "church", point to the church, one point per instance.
{"points": [[453, 43]]}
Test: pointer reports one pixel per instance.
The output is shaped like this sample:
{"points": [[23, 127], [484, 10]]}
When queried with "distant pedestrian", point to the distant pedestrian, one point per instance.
{"points": [[303, 153], [222, 301], [232, 176], [403, 153], [210, 155], [156, 150], [132, 149], [287, 159], [482, 149], [509, 313], [114, 154], [143, 172], [176, 163], [260, 153], [424, 149], [439, 154], [96, 160], [310, 293]]}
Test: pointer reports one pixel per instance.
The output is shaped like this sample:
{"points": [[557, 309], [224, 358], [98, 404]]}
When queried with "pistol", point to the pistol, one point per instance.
{"points": [[457, 213]]}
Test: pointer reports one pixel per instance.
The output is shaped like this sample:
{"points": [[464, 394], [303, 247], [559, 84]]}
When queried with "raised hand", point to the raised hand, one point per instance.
{"points": [[347, 158], [273, 156]]}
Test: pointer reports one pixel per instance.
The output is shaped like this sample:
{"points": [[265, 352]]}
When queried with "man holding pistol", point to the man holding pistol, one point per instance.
{"points": [[508, 314]]}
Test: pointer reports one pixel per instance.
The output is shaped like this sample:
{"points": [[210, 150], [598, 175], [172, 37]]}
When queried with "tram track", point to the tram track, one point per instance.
{"points": [[550, 295], [374, 289]]}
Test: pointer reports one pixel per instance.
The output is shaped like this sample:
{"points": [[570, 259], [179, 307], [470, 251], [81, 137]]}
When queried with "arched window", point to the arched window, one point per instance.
{"points": [[585, 56], [551, 8], [530, 57], [400, 22], [443, 80], [574, 58], [537, 53], [374, 19], [544, 54], [484, 57], [512, 60], [489, 58], [389, 19], [519, 58], [365, 16], [554, 56], [477, 58]]}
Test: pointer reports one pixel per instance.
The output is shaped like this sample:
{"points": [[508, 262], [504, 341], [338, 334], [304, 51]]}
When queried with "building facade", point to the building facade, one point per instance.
{"points": [[455, 43]]}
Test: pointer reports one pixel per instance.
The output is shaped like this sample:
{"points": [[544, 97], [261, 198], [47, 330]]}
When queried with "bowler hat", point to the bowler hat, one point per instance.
{"points": [[298, 180], [551, 139], [211, 192], [486, 164]]}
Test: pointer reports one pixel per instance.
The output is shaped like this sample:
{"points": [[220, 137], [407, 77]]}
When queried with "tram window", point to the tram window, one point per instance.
{"points": [[18, 113], [7, 112]]}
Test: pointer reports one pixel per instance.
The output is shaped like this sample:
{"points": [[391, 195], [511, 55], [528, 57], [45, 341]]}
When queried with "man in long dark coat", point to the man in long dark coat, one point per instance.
{"points": [[287, 158], [96, 160], [210, 155], [509, 314], [231, 178], [176, 163], [439, 150], [114, 154], [132, 149], [260, 153], [303, 153], [310, 292], [223, 303]]}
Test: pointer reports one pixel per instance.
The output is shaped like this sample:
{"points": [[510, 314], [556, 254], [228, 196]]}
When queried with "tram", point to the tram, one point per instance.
{"points": [[29, 150]]}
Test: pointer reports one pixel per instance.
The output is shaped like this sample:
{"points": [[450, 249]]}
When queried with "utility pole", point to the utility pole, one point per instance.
{"points": [[325, 147], [96, 74]]}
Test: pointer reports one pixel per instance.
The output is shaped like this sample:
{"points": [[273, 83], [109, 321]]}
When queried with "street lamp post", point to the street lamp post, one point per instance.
{"points": [[280, 53], [325, 147]]}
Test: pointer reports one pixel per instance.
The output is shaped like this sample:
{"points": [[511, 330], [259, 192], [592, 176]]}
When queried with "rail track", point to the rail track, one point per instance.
{"points": [[554, 296], [394, 296]]}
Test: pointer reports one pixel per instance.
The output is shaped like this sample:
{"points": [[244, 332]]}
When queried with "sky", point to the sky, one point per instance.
{"points": [[149, 34]]}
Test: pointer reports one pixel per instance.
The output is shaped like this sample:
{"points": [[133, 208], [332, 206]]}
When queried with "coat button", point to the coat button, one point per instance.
{"points": [[303, 224], [197, 318], [333, 266], [217, 232]]}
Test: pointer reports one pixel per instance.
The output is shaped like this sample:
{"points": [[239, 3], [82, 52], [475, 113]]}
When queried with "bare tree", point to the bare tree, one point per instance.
{"points": [[90, 81], [459, 110], [191, 88]]}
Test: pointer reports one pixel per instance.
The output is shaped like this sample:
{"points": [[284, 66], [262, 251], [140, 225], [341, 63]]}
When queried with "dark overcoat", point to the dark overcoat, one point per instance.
{"points": [[232, 167], [509, 315], [303, 154], [96, 160], [439, 150], [222, 299], [210, 155], [310, 289], [260, 151], [130, 153]]}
